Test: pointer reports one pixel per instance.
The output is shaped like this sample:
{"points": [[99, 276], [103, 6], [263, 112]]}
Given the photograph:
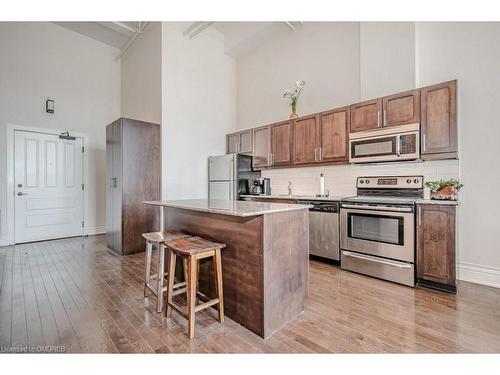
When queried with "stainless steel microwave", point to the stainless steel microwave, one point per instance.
{"points": [[387, 144]]}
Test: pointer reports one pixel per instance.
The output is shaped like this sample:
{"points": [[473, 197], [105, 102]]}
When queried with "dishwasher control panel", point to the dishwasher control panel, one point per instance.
{"points": [[321, 206]]}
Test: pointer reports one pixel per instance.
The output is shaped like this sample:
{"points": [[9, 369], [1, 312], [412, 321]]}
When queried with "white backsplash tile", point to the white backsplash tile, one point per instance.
{"points": [[340, 180]]}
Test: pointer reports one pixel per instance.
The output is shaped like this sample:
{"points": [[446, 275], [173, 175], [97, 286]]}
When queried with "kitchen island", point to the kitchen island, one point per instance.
{"points": [[265, 264]]}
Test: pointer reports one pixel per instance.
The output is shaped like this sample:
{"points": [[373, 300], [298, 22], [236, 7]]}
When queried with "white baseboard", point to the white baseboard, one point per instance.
{"points": [[91, 231], [478, 274]]}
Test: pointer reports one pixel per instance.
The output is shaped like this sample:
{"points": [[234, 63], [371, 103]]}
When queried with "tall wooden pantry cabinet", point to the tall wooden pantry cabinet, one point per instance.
{"points": [[133, 175]]}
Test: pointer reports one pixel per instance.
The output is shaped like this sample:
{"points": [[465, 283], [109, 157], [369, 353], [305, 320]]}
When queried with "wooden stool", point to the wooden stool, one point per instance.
{"points": [[193, 249], [159, 239]]}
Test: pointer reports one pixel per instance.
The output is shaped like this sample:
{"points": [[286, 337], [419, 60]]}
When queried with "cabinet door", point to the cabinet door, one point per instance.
{"points": [[261, 147], [366, 115], [232, 142], [439, 119], [281, 139], [436, 243], [245, 142], [305, 140], [334, 135], [401, 109]]}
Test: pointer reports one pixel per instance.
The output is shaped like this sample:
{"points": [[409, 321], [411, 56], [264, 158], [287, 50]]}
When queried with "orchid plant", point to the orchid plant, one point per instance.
{"points": [[293, 94]]}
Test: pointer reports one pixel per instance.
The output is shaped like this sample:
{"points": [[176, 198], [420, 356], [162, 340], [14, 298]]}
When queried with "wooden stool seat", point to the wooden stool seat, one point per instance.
{"points": [[193, 249], [159, 239], [193, 246]]}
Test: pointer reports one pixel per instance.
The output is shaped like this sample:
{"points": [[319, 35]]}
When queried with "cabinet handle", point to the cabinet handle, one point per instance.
{"points": [[385, 117], [424, 143], [321, 153], [272, 158], [268, 159], [378, 119], [315, 154], [419, 217]]}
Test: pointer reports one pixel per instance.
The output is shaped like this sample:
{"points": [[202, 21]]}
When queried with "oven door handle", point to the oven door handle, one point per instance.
{"points": [[378, 208], [372, 259]]}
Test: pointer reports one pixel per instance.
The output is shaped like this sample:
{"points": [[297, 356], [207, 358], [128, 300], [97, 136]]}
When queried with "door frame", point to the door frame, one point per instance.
{"points": [[10, 209]]}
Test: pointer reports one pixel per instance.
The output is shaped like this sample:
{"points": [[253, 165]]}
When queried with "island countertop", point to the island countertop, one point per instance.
{"points": [[229, 207]]}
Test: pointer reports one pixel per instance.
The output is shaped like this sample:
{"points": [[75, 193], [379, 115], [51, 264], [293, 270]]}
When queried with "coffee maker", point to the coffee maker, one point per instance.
{"points": [[261, 186]]}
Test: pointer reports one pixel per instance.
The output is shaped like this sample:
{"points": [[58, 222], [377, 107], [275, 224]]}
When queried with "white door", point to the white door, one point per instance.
{"points": [[48, 187]]}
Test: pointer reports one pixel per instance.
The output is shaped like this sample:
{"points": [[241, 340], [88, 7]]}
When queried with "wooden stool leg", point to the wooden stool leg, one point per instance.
{"points": [[172, 259], [218, 283], [160, 278], [185, 265], [191, 293], [147, 264]]}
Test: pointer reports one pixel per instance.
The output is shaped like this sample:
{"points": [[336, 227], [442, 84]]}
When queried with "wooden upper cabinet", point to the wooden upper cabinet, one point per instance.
{"points": [[305, 140], [239, 142], [245, 146], [438, 124], [334, 135], [261, 147], [232, 143], [281, 143], [366, 115], [401, 109], [436, 243]]}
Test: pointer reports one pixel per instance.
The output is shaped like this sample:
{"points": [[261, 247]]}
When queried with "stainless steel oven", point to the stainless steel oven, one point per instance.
{"points": [[387, 144], [383, 231], [377, 228]]}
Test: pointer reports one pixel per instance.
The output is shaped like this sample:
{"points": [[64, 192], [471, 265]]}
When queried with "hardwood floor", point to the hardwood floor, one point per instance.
{"points": [[73, 293]]}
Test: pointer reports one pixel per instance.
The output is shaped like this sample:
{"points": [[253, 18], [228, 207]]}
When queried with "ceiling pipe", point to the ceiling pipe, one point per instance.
{"points": [[196, 27], [191, 28], [124, 49]]}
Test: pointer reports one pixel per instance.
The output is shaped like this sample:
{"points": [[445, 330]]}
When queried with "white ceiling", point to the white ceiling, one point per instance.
{"points": [[115, 34], [239, 37]]}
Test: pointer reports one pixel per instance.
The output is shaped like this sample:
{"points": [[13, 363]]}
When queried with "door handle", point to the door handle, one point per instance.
{"points": [[376, 260], [19, 193]]}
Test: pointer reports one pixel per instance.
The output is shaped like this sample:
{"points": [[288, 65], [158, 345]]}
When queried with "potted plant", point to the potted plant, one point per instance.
{"points": [[293, 95], [444, 189]]}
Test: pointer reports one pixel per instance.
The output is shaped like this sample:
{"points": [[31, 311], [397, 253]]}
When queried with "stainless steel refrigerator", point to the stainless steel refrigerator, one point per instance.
{"points": [[229, 176]]}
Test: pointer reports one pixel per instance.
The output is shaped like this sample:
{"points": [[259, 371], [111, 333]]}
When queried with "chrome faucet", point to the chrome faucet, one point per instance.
{"points": [[290, 188]]}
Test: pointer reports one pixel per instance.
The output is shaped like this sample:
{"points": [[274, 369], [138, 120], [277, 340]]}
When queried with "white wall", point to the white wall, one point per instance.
{"points": [[38, 60], [469, 52], [387, 58], [198, 108], [324, 54], [141, 76]]}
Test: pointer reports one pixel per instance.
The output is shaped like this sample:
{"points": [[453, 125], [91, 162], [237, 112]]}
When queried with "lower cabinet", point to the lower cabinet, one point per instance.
{"points": [[436, 262]]}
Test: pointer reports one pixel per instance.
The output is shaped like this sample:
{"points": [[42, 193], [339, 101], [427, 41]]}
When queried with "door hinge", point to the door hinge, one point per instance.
{"points": [[83, 224], [83, 148], [83, 186]]}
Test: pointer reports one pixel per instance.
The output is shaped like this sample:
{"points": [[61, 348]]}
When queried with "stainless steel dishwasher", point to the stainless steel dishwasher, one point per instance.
{"points": [[324, 229]]}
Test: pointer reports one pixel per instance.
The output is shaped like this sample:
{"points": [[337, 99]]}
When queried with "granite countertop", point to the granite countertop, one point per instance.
{"points": [[331, 198], [229, 207], [436, 201]]}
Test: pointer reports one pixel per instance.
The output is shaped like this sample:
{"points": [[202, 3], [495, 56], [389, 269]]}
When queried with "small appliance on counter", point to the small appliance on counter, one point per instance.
{"points": [[229, 176], [265, 184], [261, 186], [256, 189]]}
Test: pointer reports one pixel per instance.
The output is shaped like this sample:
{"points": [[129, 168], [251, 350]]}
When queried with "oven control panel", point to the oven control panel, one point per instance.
{"points": [[390, 182]]}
